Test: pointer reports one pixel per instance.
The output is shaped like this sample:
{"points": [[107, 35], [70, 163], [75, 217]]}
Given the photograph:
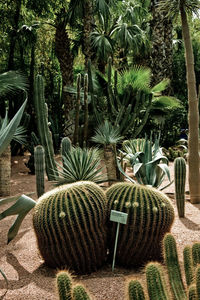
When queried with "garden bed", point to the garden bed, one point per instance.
{"points": [[30, 279]]}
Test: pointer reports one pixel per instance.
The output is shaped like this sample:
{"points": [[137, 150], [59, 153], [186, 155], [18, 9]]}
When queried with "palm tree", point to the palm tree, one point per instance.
{"points": [[185, 7], [108, 136]]}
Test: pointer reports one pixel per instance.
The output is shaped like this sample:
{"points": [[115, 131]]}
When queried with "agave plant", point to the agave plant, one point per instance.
{"points": [[108, 136], [81, 164], [149, 166]]}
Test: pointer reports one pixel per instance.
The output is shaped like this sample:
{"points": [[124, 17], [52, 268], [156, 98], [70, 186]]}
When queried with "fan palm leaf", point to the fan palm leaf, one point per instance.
{"points": [[12, 80]]}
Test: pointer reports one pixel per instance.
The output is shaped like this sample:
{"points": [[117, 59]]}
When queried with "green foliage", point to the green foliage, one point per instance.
{"points": [[149, 165], [69, 223], [179, 180], [11, 81], [150, 216], [81, 164]]}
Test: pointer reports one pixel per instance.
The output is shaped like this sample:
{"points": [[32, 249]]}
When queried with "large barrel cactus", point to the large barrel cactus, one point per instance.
{"points": [[69, 223], [150, 216]]}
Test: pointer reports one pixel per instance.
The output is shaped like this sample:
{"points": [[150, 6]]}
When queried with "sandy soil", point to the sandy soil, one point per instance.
{"points": [[29, 278]]}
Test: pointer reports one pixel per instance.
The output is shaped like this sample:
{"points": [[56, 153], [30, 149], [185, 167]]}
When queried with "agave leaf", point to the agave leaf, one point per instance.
{"points": [[122, 171], [7, 134], [165, 169], [136, 168], [4, 276], [21, 208]]}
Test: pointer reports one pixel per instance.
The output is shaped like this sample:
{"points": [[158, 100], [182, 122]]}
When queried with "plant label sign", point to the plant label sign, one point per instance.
{"points": [[118, 216]]}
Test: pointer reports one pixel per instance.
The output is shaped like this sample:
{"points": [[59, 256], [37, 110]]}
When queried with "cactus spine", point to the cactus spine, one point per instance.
{"points": [[43, 127], [180, 178], [69, 223], [64, 285], [135, 290], [39, 160], [150, 216]]}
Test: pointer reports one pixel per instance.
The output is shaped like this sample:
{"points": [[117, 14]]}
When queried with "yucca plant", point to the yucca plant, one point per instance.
{"points": [[108, 136], [81, 164], [149, 166]]}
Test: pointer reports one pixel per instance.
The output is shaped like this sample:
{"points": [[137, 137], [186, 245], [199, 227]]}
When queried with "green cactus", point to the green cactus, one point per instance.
{"points": [[79, 293], [188, 265], [77, 109], [197, 280], [196, 254], [43, 128], [86, 116], [64, 285], [179, 179], [135, 290], [69, 223], [155, 282], [39, 161], [173, 267], [66, 147], [150, 216]]}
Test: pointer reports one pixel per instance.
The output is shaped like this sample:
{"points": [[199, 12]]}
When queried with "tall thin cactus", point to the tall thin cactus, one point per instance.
{"points": [[180, 178], [43, 127], [77, 109], [85, 132], [39, 161]]}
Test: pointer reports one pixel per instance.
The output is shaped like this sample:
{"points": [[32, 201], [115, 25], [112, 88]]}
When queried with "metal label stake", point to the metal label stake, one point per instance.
{"points": [[119, 217]]}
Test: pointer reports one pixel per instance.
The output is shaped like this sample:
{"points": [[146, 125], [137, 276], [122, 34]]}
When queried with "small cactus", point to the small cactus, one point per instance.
{"points": [[69, 223], [155, 282], [150, 216], [64, 285], [196, 254], [79, 293], [180, 178], [66, 147], [39, 161], [135, 290], [173, 267], [188, 265]]}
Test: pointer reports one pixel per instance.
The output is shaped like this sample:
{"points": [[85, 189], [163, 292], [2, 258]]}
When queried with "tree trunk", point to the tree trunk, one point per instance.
{"points": [[65, 58], [13, 36], [87, 29], [110, 162], [161, 53], [193, 114], [5, 172]]}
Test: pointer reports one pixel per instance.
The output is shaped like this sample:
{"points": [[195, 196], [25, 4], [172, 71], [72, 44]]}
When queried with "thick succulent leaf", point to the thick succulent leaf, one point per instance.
{"points": [[122, 171], [21, 208], [137, 167], [7, 134], [165, 169]]}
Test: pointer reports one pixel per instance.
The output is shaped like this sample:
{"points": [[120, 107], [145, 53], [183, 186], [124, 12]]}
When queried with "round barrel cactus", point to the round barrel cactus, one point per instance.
{"points": [[150, 216], [69, 223]]}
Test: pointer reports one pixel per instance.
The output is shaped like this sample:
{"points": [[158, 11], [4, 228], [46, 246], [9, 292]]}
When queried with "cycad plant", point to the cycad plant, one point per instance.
{"points": [[81, 164], [108, 136]]}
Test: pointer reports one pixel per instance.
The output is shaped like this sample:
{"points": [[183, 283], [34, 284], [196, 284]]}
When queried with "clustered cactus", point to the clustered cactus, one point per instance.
{"points": [[156, 283], [180, 179], [150, 216], [67, 290], [69, 223]]}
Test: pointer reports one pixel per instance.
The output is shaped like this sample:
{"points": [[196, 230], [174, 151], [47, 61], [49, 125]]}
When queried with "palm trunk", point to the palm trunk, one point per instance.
{"points": [[5, 172], [87, 29], [161, 53], [193, 114], [65, 58], [110, 162]]}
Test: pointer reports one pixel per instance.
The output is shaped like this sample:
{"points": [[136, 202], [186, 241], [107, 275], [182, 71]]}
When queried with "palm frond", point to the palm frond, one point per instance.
{"points": [[163, 102], [81, 164], [172, 7], [161, 86], [20, 135], [11, 81], [102, 44], [138, 77], [106, 134]]}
